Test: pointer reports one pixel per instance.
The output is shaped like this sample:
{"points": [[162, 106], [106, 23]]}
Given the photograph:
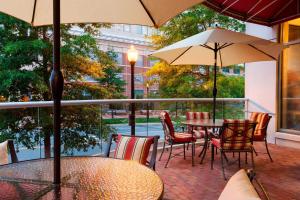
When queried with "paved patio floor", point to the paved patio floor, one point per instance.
{"points": [[182, 181]]}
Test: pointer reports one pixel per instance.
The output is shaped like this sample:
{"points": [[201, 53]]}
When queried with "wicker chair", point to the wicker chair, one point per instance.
{"points": [[134, 148], [171, 137], [260, 133], [8, 145], [235, 136]]}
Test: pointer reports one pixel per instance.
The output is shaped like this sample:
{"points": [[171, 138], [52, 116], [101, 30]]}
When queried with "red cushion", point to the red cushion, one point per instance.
{"points": [[167, 122], [184, 137], [216, 142], [133, 148]]}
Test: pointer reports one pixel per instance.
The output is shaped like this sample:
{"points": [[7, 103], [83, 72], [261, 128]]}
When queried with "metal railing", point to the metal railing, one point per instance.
{"points": [[86, 124]]}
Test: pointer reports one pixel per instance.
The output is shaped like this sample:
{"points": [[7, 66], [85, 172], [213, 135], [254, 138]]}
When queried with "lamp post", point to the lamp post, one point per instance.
{"points": [[132, 56], [147, 86]]}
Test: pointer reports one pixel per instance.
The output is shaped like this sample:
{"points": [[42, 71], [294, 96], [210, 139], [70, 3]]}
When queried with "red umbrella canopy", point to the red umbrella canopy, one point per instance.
{"points": [[265, 12]]}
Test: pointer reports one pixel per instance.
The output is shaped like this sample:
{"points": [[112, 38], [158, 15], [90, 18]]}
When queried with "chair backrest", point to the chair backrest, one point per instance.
{"points": [[262, 120], [134, 148], [197, 115], [237, 134], [5, 147], [167, 124]]}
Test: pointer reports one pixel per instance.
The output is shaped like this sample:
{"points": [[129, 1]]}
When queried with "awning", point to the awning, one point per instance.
{"points": [[265, 12]]}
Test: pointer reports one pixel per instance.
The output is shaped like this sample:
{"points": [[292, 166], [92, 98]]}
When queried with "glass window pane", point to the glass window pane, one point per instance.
{"points": [[290, 77], [119, 58], [140, 61]]}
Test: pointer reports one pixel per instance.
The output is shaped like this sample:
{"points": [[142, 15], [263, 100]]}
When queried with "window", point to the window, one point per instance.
{"points": [[139, 94], [236, 70], [153, 62], [127, 28], [144, 30], [119, 58], [290, 78], [138, 30], [138, 78], [140, 61], [225, 70]]}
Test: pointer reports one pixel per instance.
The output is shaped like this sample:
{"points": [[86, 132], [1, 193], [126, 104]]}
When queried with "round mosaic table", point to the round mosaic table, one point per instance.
{"points": [[82, 178]]}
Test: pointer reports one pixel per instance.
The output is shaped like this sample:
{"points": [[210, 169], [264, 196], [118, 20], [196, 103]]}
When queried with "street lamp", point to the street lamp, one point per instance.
{"points": [[147, 86], [132, 56]]}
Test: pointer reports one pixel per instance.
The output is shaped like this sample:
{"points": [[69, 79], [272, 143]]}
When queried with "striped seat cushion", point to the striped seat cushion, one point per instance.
{"points": [[133, 148], [197, 116], [262, 120], [237, 134]]}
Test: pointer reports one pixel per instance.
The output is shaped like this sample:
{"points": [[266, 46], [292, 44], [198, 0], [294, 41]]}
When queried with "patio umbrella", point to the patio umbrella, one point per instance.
{"points": [[39, 13], [265, 12], [143, 12], [219, 47]]}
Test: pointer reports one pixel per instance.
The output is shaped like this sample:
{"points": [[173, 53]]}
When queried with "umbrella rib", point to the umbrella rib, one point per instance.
{"points": [[148, 13], [225, 45], [220, 57], [206, 46], [262, 51], [33, 13], [180, 55]]}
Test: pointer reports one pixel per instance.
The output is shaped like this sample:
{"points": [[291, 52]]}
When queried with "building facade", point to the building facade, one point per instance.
{"points": [[274, 87], [119, 38]]}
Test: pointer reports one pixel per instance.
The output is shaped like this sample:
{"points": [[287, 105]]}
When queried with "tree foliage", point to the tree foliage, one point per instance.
{"points": [[192, 81], [25, 67]]}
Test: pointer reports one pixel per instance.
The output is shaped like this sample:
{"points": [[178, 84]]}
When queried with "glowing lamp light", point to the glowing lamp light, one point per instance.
{"points": [[132, 54]]}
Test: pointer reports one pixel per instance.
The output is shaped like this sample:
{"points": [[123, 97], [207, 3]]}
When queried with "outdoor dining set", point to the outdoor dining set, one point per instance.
{"points": [[225, 135]]}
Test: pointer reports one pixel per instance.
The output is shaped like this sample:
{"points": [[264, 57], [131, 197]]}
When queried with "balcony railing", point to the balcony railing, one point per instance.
{"points": [[86, 124]]}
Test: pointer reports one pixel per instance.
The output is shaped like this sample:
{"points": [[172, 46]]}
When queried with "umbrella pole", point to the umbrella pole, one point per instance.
{"points": [[56, 82], [215, 83]]}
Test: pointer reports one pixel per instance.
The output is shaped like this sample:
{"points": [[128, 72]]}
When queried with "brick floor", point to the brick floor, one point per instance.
{"points": [[182, 181]]}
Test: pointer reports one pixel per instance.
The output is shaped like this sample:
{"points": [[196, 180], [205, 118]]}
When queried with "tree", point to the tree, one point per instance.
{"points": [[25, 66], [190, 81]]}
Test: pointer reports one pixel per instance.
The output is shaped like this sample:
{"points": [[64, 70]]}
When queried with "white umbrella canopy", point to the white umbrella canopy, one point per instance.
{"points": [[143, 12], [232, 48], [219, 47]]}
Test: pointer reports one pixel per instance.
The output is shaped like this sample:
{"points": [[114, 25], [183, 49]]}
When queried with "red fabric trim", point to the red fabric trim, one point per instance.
{"points": [[130, 148]]}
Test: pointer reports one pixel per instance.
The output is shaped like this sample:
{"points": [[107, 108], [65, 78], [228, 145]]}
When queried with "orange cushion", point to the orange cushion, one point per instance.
{"points": [[262, 120], [133, 148]]}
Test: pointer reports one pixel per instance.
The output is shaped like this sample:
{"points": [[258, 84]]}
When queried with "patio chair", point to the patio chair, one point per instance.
{"points": [[260, 133], [5, 147], [199, 131], [171, 137], [235, 136], [134, 148]]}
